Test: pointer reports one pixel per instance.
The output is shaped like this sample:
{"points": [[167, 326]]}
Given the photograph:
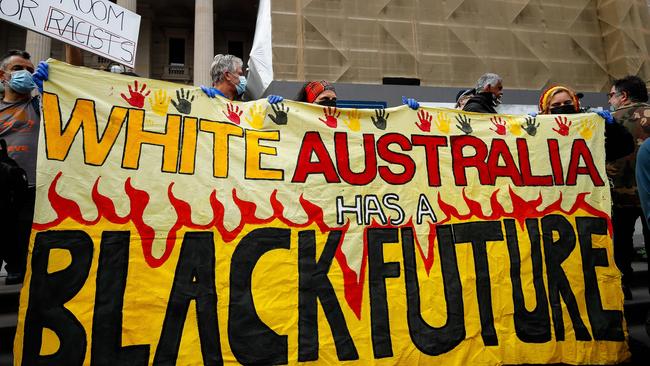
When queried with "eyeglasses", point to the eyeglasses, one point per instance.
{"points": [[611, 95]]}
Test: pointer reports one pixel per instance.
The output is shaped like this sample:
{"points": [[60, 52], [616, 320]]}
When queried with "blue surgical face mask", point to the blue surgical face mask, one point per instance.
{"points": [[21, 82], [241, 87]]}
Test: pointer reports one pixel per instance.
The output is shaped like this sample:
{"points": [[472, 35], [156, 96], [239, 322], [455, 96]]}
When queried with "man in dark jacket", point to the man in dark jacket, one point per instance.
{"points": [[628, 97], [489, 89]]}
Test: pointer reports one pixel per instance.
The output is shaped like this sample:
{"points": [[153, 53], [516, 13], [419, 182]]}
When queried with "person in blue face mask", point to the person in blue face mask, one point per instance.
{"points": [[228, 79], [19, 125]]}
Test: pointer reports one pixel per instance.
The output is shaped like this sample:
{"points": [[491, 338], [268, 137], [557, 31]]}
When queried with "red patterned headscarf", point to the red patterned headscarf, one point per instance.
{"points": [[315, 88]]}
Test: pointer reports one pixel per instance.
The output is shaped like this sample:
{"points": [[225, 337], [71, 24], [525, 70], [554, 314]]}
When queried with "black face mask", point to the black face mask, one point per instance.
{"points": [[327, 103], [565, 109]]}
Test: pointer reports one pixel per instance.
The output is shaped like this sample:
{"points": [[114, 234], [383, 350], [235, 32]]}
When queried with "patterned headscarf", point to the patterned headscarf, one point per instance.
{"points": [[547, 95], [315, 88]]}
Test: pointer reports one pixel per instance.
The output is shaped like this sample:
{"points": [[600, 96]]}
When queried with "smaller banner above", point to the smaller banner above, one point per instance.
{"points": [[97, 26]]}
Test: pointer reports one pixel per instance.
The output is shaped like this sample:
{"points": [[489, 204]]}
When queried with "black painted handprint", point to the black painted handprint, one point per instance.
{"points": [[184, 104], [280, 117], [382, 118], [464, 124], [530, 126]]}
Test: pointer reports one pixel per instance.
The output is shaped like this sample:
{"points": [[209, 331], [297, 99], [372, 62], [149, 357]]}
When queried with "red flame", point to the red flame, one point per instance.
{"points": [[66, 208], [69, 209], [353, 281], [521, 210]]}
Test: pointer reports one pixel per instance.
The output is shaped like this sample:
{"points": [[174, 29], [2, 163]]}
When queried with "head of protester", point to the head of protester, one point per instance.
{"points": [[318, 92], [463, 96], [559, 99], [228, 79], [489, 90], [18, 76], [626, 92], [16, 71]]}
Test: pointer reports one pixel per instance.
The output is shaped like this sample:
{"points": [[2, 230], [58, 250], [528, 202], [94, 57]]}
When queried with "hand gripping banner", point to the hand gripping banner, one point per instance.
{"points": [[172, 228]]}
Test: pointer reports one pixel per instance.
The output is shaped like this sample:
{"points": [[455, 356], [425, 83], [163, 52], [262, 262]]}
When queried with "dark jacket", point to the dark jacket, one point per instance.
{"points": [[480, 103], [622, 171]]}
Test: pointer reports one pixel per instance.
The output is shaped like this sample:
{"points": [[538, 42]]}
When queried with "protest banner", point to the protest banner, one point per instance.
{"points": [[98, 26], [175, 228]]}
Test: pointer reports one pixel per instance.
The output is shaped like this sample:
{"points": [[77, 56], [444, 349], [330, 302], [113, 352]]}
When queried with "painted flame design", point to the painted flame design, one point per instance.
{"points": [[353, 282]]}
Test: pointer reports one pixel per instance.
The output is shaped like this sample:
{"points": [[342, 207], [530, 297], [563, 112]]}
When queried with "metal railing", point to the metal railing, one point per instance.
{"points": [[177, 72]]}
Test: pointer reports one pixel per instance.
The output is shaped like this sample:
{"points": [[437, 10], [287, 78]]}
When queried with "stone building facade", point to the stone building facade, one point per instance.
{"points": [[439, 43]]}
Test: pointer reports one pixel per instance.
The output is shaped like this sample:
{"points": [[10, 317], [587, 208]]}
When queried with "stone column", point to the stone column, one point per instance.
{"points": [[203, 41], [38, 46], [142, 56], [129, 4]]}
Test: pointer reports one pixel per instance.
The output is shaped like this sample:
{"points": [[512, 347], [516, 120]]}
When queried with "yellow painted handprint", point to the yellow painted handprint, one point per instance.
{"points": [[515, 126], [352, 121], [443, 122], [587, 129], [256, 119], [160, 102]]}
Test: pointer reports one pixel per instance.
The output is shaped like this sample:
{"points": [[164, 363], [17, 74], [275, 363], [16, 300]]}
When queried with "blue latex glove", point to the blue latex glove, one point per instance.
{"points": [[274, 99], [606, 116], [209, 91], [42, 74], [412, 103]]}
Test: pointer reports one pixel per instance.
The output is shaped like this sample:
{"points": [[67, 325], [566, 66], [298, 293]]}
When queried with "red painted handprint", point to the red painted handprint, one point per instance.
{"points": [[330, 117], [563, 125], [499, 124], [425, 120], [136, 98], [233, 113]]}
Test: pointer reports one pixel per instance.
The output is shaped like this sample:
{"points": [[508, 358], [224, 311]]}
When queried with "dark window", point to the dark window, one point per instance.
{"points": [[177, 51], [236, 48]]}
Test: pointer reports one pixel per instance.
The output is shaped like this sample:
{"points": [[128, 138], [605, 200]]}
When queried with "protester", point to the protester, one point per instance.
{"points": [[318, 92], [489, 90], [228, 79], [463, 96], [559, 99], [19, 126], [628, 97], [619, 143]]}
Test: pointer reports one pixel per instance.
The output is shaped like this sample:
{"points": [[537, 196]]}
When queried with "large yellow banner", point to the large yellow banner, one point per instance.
{"points": [[172, 228]]}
